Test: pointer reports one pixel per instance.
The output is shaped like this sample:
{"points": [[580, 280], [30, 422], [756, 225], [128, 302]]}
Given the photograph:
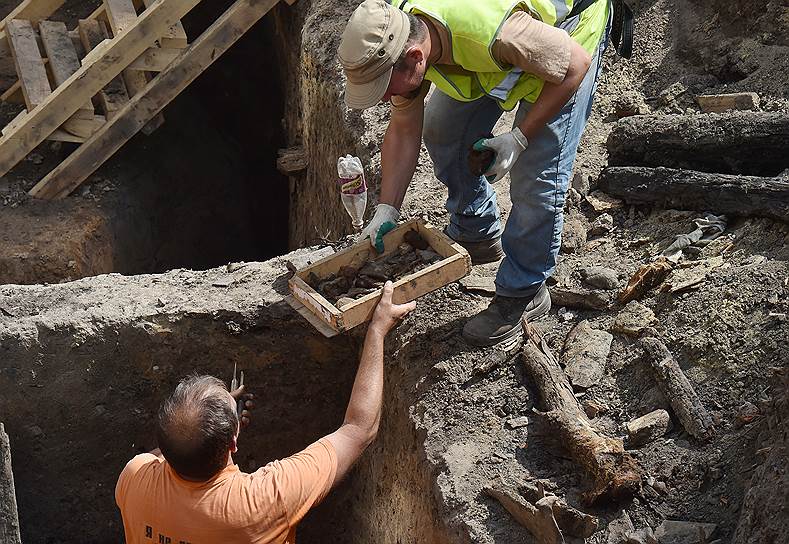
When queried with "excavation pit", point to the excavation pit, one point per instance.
{"points": [[85, 370]]}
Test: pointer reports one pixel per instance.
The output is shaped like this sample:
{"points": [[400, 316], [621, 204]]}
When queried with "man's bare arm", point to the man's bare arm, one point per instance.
{"points": [[554, 96], [400, 152], [364, 409]]}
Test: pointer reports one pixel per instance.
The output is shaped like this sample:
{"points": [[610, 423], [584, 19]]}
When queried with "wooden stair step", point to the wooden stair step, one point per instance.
{"points": [[63, 61], [28, 61]]}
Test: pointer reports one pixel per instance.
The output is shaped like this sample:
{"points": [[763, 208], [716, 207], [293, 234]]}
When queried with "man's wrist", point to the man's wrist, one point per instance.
{"points": [[377, 330]]}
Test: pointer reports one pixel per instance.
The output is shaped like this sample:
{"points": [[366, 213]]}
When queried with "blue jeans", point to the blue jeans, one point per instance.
{"points": [[538, 181]]}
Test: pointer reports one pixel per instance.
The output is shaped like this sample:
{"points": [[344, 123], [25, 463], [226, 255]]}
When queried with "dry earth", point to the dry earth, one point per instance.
{"points": [[454, 414]]}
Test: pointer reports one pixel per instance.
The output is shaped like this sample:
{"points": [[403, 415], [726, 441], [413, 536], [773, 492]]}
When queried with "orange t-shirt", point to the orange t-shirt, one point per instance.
{"points": [[158, 506]]}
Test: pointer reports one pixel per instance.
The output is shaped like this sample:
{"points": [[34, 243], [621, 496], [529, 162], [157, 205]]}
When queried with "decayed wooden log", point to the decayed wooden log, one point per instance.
{"points": [[9, 521], [678, 390], [751, 143], [615, 473], [692, 190], [292, 159], [537, 518]]}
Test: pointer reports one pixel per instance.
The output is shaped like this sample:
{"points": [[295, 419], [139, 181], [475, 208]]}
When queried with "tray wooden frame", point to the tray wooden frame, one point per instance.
{"points": [[454, 264]]}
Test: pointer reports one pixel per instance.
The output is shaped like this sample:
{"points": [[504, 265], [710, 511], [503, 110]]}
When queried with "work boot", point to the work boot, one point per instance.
{"points": [[502, 318], [484, 251]]}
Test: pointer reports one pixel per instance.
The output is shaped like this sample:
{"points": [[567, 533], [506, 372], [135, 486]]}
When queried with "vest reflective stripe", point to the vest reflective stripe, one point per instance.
{"points": [[473, 26]]}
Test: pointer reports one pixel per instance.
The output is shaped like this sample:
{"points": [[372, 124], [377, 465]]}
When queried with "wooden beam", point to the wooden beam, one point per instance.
{"points": [[155, 59], [28, 61], [223, 33], [13, 94], [114, 95], [175, 36], [89, 79], [691, 190]]}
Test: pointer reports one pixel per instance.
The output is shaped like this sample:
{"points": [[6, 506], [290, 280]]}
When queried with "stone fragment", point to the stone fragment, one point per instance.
{"points": [[572, 199], [573, 234], [600, 277], [586, 354], [619, 528], [642, 536], [603, 224], [683, 532], [517, 422], [648, 427], [580, 183], [482, 284], [717, 103], [602, 202], [629, 103], [593, 408], [633, 319], [582, 299], [670, 94]]}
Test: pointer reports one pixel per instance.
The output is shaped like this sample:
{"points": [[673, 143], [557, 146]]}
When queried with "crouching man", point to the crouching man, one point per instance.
{"points": [[191, 491]]}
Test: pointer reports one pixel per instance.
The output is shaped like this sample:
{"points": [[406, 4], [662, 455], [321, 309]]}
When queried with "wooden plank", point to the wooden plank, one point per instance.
{"points": [[155, 59], [63, 59], [122, 16], [13, 94], [29, 10], [63, 62], [15, 121], [114, 95], [28, 62], [175, 36], [92, 76], [322, 327], [718, 103], [60, 135], [224, 32]]}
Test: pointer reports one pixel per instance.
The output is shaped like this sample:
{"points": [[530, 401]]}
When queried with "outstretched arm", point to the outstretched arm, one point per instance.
{"points": [[364, 409]]}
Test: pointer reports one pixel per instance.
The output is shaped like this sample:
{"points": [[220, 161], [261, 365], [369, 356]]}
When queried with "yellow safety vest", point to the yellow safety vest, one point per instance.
{"points": [[473, 26]]}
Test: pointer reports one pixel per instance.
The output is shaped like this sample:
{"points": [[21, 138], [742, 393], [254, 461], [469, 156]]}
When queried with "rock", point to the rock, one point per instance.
{"points": [[746, 414], [580, 183], [603, 224], [619, 528], [35, 158], [593, 408], [646, 428], [586, 354], [518, 422], [582, 299], [600, 277], [572, 199], [602, 202], [482, 284], [633, 318], [642, 536], [683, 532], [629, 103], [35, 431], [573, 234]]}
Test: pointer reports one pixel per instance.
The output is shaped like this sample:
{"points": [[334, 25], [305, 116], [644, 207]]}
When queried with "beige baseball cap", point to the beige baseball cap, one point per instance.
{"points": [[372, 41]]}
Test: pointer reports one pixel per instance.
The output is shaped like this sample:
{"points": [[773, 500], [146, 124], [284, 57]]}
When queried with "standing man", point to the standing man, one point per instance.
{"points": [[192, 492], [542, 56]]}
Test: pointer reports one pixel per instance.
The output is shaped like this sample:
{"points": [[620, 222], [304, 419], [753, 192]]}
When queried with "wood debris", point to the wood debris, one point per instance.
{"points": [[615, 473], [647, 277], [678, 390], [363, 276]]}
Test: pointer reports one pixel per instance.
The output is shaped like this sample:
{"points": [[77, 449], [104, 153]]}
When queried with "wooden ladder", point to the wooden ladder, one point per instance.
{"points": [[94, 85]]}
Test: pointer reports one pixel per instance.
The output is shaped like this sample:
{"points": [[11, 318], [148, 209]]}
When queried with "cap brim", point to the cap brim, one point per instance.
{"points": [[360, 96]]}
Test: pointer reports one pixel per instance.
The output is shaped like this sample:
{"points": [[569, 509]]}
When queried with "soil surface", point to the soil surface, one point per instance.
{"points": [[457, 417]]}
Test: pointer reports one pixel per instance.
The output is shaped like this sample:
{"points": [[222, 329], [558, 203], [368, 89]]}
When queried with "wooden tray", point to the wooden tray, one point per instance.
{"points": [[455, 264]]}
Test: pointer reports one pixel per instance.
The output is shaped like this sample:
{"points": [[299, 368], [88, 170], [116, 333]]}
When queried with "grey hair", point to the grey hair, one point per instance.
{"points": [[196, 426]]}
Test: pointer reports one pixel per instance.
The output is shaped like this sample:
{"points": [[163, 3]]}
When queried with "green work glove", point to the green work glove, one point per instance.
{"points": [[384, 219]]}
